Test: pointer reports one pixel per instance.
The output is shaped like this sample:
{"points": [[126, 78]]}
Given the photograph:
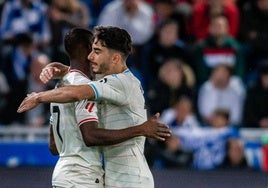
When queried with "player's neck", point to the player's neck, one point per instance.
{"points": [[119, 68], [81, 66]]}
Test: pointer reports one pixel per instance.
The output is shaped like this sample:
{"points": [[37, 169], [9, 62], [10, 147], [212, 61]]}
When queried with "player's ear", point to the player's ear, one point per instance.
{"points": [[116, 57]]}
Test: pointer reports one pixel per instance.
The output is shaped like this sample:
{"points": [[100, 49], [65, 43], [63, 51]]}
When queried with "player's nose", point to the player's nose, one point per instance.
{"points": [[90, 57]]}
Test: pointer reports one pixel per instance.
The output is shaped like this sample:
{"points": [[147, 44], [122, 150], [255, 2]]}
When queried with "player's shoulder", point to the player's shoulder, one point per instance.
{"points": [[127, 74], [76, 77], [123, 78]]}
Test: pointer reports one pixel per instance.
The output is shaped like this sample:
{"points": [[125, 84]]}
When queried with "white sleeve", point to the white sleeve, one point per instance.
{"points": [[86, 111], [111, 89]]}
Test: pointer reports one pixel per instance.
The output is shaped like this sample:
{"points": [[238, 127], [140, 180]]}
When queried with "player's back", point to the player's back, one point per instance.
{"points": [[77, 161]]}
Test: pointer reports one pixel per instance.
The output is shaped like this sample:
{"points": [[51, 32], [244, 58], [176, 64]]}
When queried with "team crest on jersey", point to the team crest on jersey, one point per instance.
{"points": [[104, 80]]}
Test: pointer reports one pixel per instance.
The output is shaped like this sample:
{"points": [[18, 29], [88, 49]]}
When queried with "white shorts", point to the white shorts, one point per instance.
{"points": [[69, 173]]}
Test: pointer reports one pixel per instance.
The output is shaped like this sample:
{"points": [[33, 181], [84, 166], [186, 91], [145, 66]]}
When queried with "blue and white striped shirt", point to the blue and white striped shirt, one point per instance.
{"points": [[17, 19]]}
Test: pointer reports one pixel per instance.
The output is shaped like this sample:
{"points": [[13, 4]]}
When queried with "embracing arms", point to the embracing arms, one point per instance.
{"points": [[152, 128], [60, 95]]}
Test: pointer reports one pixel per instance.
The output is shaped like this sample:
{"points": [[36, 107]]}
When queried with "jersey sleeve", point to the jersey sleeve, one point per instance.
{"points": [[86, 111], [110, 88]]}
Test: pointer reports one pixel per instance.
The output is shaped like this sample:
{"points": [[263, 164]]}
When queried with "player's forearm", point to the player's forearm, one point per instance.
{"points": [[66, 94], [110, 137], [59, 95]]}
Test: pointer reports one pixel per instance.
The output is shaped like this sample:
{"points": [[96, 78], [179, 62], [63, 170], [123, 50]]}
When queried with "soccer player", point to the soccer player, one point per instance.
{"points": [[78, 165], [120, 105], [74, 126]]}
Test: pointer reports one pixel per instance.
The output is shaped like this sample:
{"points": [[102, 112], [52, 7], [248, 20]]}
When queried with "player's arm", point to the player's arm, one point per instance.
{"points": [[66, 94], [52, 145], [59, 95], [152, 128]]}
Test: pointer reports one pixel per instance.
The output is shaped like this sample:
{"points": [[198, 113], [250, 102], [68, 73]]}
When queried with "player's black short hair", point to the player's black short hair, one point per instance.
{"points": [[114, 38], [77, 38]]}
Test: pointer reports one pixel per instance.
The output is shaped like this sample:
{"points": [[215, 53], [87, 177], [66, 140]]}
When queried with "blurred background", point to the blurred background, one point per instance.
{"points": [[203, 65]]}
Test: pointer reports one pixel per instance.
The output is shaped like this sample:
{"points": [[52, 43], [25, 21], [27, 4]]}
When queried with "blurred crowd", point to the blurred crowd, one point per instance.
{"points": [[203, 65]]}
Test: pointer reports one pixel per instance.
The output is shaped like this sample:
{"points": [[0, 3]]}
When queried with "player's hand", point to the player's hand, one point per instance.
{"points": [[48, 73], [154, 129], [28, 103]]}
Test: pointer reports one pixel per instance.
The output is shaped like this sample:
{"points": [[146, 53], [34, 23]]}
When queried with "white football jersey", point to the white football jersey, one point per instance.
{"points": [[121, 104], [74, 154]]}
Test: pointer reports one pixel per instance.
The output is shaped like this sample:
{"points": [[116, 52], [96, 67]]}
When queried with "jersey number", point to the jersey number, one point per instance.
{"points": [[89, 106], [56, 109]]}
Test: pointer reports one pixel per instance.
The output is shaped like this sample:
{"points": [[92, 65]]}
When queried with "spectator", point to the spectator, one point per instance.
{"points": [[64, 15], [135, 16], [224, 91], [218, 48], [243, 4], [235, 156], [38, 116], [204, 11], [256, 103], [169, 154], [4, 89], [95, 7], [181, 114], [175, 79], [254, 34], [206, 143], [16, 68], [167, 10], [2, 3], [166, 45], [25, 16], [220, 118]]}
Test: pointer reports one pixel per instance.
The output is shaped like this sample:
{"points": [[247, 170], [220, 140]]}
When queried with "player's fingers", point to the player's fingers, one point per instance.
{"points": [[47, 76], [164, 134], [20, 110], [164, 131], [163, 125], [49, 72], [43, 77], [56, 70], [21, 107], [30, 94], [160, 138], [25, 105], [157, 115]]}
